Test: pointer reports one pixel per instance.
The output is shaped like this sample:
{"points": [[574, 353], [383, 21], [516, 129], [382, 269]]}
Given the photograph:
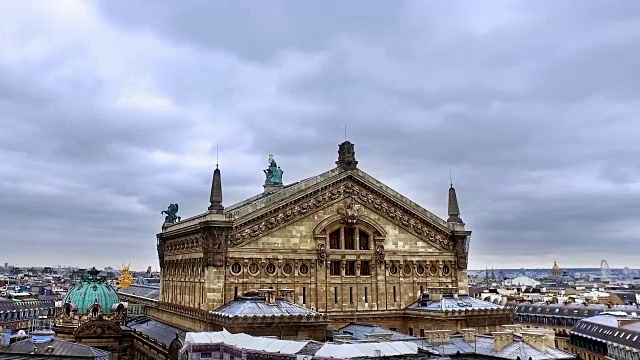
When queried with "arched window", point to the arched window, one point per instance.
{"points": [[334, 240], [349, 238], [364, 240]]}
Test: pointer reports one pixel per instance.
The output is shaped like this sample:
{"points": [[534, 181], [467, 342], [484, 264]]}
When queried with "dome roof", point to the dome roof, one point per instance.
{"points": [[555, 266], [92, 289]]}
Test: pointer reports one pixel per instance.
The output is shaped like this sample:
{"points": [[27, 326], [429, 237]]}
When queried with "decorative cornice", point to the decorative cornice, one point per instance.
{"points": [[250, 229]]}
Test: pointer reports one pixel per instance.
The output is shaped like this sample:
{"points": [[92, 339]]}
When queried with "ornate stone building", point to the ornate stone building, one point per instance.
{"points": [[345, 244]]}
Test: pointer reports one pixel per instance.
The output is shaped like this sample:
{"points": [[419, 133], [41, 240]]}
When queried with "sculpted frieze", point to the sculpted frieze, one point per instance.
{"points": [[214, 244], [324, 197], [97, 328]]}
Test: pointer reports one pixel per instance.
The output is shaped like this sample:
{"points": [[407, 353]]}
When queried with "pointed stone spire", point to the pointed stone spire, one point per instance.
{"points": [[216, 192], [454, 211], [346, 156]]}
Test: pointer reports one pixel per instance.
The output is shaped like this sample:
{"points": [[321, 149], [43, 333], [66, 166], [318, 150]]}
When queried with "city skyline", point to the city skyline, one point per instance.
{"points": [[111, 111]]}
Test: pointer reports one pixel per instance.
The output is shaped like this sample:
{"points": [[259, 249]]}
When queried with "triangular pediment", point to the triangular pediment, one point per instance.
{"points": [[260, 216]]}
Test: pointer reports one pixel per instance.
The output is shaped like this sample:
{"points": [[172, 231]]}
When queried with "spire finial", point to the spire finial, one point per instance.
{"points": [[450, 178], [454, 210], [216, 190], [345, 132]]}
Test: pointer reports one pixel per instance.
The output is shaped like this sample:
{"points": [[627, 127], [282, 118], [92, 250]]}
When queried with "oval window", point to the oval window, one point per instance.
{"points": [[254, 268], [446, 270], [236, 268], [407, 269], [393, 269], [420, 269], [304, 269], [271, 268], [287, 269], [433, 270]]}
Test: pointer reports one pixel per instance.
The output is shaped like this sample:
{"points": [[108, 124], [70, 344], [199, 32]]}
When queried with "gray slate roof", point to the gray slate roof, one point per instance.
{"points": [[360, 331], [572, 310], [155, 329], [145, 291], [484, 346], [257, 306], [606, 328], [450, 303], [24, 349]]}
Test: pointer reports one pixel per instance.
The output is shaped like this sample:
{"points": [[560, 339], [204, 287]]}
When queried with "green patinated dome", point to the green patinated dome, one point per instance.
{"points": [[91, 289]]}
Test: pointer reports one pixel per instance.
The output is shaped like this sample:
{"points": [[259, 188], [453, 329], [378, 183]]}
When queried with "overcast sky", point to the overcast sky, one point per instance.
{"points": [[110, 111]]}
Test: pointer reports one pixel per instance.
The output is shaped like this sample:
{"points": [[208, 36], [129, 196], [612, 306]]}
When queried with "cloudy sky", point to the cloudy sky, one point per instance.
{"points": [[109, 111]]}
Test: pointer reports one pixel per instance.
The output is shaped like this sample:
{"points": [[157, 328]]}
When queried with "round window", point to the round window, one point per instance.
{"points": [[271, 268], [433, 270], [393, 269], [304, 269], [407, 269], [420, 269], [446, 270], [287, 269], [236, 268], [254, 268]]}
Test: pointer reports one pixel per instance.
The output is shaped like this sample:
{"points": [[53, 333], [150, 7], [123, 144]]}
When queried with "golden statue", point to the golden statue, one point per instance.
{"points": [[125, 280]]}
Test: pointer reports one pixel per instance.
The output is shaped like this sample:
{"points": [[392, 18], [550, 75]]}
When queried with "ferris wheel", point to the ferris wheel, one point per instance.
{"points": [[604, 270]]}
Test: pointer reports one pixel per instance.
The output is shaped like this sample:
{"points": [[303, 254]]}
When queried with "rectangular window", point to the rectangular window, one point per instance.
{"points": [[350, 268], [205, 355], [366, 300], [365, 268], [235, 291], [394, 294], [335, 295], [335, 268], [421, 332], [350, 295], [304, 295], [334, 240], [364, 240], [349, 238], [410, 331]]}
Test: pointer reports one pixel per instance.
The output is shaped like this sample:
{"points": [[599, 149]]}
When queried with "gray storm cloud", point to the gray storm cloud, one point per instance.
{"points": [[109, 111]]}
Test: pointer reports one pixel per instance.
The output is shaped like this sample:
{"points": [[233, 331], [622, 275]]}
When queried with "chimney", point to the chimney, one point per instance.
{"points": [[438, 336], [536, 340], [469, 335], [515, 328], [379, 336], [269, 295], [287, 294], [342, 338], [501, 339]]}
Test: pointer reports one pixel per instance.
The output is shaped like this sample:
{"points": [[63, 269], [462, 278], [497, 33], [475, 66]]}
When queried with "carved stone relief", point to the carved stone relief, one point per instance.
{"points": [[347, 188], [214, 244]]}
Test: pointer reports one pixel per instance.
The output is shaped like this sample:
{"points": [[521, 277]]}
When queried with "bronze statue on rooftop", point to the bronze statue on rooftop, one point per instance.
{"points": [[273, 173], [171, 212]]}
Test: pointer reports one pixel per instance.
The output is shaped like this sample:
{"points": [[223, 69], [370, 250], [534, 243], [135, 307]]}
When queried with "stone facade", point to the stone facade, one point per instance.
{"points": [[346, 244]]}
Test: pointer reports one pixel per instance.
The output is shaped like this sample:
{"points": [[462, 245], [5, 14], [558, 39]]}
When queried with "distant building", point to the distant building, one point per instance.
{"points": [[556, 271], [521, 281], [609, 335]]}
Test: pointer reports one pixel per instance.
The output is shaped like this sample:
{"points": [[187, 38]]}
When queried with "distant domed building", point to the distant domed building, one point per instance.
{"points": [[92, 311], [556, 272], [93, 289]]}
